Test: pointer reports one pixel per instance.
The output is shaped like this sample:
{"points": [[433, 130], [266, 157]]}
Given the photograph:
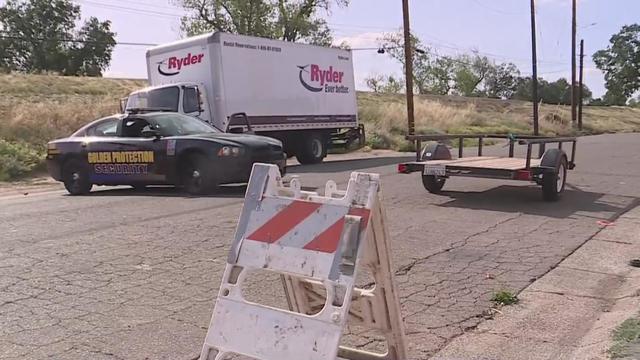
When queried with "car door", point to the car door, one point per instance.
{"points": [[129, 157]]}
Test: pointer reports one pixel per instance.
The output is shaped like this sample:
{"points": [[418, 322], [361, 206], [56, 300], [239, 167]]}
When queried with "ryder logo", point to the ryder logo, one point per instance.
{"points": [[173, 65], [315, 79]]}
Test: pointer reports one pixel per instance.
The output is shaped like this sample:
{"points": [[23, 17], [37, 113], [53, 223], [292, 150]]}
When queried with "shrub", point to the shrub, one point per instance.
{"points": [[18, 159]]}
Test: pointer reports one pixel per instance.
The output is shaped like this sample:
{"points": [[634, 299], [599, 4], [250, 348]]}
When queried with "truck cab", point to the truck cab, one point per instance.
{"points": [[185, 98]]}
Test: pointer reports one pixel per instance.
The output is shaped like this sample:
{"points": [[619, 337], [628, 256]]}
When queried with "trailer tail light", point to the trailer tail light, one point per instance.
{"points": [[523, 175], [403, 169]]}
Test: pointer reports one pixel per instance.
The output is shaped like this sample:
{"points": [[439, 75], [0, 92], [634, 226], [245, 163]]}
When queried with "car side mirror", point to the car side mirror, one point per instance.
{"points": [[151, 133]]}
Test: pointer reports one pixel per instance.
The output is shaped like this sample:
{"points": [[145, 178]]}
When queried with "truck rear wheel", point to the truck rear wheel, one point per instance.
{"points": [[312, 149]]}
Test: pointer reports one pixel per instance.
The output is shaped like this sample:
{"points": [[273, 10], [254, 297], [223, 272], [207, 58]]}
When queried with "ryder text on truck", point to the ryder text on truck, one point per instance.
{"points": [[301, 94]]}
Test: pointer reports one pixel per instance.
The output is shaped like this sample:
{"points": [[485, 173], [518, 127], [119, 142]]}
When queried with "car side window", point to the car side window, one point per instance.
{"points": [[190, 100], [104, 128], [134, 127]]}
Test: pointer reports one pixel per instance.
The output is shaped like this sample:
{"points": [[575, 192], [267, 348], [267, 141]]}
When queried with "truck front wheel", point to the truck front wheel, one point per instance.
{"points": [[312, 149]]}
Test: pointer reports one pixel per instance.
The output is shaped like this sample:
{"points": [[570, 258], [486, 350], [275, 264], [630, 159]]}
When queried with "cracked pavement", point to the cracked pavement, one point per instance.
{"points": [[127, 275]]}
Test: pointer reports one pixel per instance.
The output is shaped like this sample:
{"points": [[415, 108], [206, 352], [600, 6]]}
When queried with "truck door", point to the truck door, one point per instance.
{"points": [[194, 103]]}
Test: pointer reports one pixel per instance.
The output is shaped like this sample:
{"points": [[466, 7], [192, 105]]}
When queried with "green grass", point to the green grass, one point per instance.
{"points": [[626, 340], [37, 108], [504, 298]]}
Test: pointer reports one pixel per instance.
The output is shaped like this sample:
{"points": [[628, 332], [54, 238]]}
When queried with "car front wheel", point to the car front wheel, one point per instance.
{"points": [[196, 176]]}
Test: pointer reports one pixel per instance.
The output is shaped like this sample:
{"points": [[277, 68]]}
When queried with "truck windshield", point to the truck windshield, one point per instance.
{"points": [[164, 98]]}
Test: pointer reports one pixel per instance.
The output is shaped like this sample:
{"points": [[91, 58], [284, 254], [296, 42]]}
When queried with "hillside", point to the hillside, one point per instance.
{"points": [[37, 108]]}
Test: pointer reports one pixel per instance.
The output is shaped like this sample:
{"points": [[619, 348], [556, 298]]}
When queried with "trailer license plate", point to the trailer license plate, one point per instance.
{"points": [[436, 170]]}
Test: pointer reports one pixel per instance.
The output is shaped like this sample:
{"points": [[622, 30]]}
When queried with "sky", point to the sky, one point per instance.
{"points": [[498, 29]]}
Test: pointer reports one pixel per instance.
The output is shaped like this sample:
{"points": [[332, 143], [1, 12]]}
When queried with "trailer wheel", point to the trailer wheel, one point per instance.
{"points": [[433, 184], [75, 176], [312, 149], [553, 182], [196, 176]]}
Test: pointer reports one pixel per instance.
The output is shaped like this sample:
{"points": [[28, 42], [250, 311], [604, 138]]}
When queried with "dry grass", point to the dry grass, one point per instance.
{"points": [[385, 118], [37, 108]]}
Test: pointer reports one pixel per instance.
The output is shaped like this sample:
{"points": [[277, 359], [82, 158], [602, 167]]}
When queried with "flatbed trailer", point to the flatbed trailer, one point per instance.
{"points": [[548, 169]]}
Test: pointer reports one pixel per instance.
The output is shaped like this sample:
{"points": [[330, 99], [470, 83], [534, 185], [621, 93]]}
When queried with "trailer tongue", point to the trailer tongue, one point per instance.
{"points": [[548, 169]]}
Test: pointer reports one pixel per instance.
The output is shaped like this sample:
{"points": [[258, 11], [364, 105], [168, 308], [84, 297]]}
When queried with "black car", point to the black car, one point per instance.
{"points": [[157, 148]]}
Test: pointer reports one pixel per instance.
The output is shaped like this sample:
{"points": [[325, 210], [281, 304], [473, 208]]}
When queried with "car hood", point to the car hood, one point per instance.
{"points": [[237, 139]]}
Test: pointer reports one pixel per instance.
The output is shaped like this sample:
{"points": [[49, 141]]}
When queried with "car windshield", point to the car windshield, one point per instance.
{"points": [[177, 124], [161, 99]]}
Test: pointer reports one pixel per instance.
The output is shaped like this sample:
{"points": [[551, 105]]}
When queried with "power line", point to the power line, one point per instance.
{"points": [[497, 10], [130, 9], [22, 38]]}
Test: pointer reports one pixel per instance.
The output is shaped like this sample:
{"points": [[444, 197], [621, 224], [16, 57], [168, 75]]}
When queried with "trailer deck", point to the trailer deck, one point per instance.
{"points": [[487, 162]]}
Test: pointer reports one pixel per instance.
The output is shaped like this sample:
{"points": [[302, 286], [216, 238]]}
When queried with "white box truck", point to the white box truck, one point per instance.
{"points": [[301, 94]]}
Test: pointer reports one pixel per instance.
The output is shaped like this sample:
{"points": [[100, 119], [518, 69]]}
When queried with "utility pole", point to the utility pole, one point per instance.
{"points": [[408, 59], [534, 77], [580, 94], [573, 64]]}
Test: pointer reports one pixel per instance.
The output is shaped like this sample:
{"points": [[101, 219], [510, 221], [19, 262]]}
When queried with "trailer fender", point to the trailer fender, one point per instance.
{"points": [[551, 159], [435, 151]]}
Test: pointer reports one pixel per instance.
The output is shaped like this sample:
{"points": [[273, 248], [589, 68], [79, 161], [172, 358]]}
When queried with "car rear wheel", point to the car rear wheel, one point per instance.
{"points": [[76, 177], [196, 176]]}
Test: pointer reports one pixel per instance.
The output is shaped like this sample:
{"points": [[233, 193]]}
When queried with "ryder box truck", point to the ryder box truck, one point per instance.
{"points": [[301, 94]]}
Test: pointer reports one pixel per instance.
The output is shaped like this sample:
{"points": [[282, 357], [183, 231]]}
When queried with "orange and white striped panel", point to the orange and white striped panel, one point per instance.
{"points": [[300, 224]]}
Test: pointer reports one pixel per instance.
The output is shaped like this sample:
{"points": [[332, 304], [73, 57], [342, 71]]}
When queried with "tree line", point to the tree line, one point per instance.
{"points": [[471, 75], [43, 36]]}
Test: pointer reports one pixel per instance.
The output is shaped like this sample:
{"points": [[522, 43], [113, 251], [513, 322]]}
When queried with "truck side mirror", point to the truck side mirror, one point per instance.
{"points": [[123, 104], [244, 120]]}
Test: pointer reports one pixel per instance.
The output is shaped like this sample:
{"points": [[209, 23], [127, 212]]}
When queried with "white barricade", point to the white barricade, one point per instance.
{"points": [[317, 243]]}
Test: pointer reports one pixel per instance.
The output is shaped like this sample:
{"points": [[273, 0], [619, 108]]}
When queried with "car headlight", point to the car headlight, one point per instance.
{"points": [[227, 151]]}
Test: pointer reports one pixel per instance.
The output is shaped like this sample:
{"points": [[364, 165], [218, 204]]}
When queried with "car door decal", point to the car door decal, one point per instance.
{"points": [[121, 162]]}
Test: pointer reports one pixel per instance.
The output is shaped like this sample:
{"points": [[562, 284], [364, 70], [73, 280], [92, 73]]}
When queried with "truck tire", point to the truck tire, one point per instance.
{"points": [[312, 149], [433, 184], [76, 177], [553, 181], [196, 176]]}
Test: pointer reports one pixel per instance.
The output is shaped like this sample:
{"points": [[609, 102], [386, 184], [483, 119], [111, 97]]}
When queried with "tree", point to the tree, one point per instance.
{"points": [[620, 62], [502, 81], [384, 84], [470, 73], [557, 92], [38, 36], [466, 75], [92, 53], [432, 74], [288, 20]]}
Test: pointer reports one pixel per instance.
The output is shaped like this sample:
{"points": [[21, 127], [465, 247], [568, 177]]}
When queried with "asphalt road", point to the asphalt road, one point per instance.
{"points": [[126, 275]]}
